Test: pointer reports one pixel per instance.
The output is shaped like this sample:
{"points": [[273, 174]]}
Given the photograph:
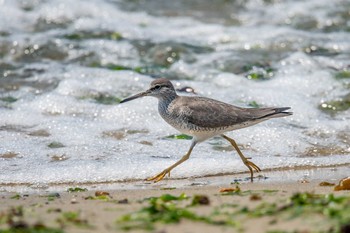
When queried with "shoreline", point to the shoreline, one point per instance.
{"points": [[283, 175], [105, 208]]}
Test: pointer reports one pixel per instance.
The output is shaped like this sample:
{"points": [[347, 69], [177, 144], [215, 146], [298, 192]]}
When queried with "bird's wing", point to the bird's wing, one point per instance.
{"points": [[205, 112]]}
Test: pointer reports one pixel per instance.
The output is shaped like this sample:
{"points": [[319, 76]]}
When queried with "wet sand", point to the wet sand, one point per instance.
{"points": [[88, 211]]}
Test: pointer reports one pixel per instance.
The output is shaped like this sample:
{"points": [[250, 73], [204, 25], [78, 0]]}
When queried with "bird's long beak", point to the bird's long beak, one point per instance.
{"points": [[139, 95]]}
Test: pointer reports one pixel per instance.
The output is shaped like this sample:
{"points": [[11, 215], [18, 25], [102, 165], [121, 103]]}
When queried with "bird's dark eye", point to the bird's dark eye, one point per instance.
{"points": [[156, 87]]}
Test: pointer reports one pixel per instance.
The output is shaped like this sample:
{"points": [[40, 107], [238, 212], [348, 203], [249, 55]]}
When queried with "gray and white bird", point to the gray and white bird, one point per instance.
{"points": [[203, 118]]}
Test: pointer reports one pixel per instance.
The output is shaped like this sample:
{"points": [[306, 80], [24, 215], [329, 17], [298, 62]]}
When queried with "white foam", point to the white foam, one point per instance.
{"points": [[73, 118]]}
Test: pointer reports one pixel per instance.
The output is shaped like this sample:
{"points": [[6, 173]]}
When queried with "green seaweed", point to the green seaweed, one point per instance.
{"points": [[171, 209], [102, 98], [315, 50], [4, 33], [74, 218], [258, 71], [117, 67], [179, 136], [102, 198], [239, 192], [137, 69], [16, 196], [344, 74], [37, 228], [168, 197], [334, 106], [168, 188], [254, 104], [76, 189], [148, 69], [54, 145], [106, 99], [334, 208], [163, 209], [8, 99], [83, 35], [270, 191], [53, 196]]}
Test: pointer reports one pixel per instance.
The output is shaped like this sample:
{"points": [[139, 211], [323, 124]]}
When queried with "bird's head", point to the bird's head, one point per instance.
{"points": [[159, 88]]}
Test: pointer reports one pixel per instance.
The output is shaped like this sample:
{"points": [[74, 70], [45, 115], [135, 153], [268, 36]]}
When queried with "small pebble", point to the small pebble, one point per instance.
{"points": [[101, 193], [255, 197], [200, 200], [123, 201], [344, 184], [228, 190]]}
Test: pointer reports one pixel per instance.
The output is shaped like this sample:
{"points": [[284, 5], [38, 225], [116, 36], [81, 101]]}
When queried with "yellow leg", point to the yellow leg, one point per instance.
{"points": [[245, 160], [161, 175]]}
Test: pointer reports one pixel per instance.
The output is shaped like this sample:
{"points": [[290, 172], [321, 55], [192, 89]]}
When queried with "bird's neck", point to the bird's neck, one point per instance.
{"points": [[165, 100]]}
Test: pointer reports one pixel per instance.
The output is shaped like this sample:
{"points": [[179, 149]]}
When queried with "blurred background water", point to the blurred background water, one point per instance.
{"points": [[65, 65]]}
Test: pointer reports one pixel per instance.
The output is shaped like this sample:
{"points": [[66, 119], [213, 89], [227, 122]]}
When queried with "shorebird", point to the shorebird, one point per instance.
{"points": [[203, 118]]}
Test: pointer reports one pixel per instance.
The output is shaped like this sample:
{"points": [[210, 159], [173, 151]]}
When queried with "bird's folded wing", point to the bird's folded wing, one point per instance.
{"points": [[209, 113]]}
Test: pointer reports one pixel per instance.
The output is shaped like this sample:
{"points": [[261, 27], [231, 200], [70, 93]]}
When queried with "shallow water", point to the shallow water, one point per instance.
{"points": [[65, 66]]}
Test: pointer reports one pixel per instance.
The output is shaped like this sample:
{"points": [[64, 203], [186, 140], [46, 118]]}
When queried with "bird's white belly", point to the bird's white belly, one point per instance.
{"points": [[202, 134]]}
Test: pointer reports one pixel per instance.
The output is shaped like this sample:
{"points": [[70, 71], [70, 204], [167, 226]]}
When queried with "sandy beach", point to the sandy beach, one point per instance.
{"points": [[212, 204]]}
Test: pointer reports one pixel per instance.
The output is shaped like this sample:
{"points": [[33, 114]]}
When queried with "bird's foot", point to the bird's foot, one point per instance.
{"points": [[251, 166], [160, 176]]}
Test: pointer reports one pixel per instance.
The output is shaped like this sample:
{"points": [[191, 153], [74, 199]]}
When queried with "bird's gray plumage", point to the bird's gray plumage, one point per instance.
{"points": [[209, 113], [190, 114], [204, 118]]}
